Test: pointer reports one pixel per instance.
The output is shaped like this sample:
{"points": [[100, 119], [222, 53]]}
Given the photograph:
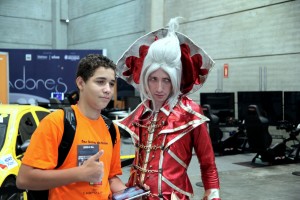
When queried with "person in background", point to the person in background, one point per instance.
{"points": [[79, 177], [165, 66]]}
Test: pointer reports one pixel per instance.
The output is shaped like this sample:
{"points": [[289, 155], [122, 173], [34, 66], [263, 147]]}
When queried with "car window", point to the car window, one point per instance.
{"points": [[27, 126], [3, 127], [41, 114]]}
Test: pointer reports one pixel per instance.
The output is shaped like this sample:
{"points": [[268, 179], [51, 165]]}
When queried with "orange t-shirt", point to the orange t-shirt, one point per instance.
{"points": [[43, 152]]}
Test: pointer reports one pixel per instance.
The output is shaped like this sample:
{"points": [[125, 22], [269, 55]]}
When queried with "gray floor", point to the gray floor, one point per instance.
{"points": [[243, 181]]}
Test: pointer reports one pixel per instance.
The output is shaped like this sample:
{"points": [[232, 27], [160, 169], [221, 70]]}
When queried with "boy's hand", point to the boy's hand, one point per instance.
{"points": [[93, 169]]}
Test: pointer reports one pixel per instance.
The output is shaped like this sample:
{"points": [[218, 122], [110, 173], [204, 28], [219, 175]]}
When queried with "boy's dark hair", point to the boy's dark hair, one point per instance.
{"points": [[88, 64]]}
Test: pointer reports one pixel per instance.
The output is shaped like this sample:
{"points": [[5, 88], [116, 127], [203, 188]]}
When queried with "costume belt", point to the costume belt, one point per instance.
{"points": [[154, 147], [145, 170]]}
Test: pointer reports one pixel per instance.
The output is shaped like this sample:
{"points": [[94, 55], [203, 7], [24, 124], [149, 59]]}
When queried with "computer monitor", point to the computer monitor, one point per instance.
{"points": [[124, 89], [292, 107], [221, 104], [58, 95], [131, 102], [270, 104]]}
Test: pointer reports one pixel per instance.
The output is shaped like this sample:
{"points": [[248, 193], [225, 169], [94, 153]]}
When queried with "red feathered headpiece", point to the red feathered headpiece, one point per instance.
{"points": [[195, 62]]}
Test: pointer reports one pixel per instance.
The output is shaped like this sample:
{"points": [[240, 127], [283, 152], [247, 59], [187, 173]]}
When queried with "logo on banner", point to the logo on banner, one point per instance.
{"points": [[54, 57], [72, 57], [28, 57], [42, 57], [32, 84]]}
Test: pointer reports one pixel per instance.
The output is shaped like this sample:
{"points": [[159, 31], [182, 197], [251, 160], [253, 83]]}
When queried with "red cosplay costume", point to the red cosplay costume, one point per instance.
{"points": [[167, 139], [164, 140]]}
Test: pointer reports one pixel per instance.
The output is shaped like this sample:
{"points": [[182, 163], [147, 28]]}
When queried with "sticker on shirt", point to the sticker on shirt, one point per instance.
{"points": [[8, 162], [86, 151]]}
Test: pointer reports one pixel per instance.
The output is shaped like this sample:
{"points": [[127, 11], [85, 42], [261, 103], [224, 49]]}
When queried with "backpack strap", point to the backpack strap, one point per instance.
{"points": [[68, 135], [111, 128]]}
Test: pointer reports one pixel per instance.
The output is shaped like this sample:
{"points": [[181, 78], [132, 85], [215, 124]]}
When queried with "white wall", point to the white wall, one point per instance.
{"points": [[259, 40]]}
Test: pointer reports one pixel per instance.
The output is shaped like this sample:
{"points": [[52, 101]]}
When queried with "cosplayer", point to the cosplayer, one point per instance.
{"points": [[165, 66]]}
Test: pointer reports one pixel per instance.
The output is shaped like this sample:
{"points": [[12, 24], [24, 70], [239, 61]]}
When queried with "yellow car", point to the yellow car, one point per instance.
{"points": [[17, 123]]}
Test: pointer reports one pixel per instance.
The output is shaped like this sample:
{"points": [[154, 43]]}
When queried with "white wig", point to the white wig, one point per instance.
{"points": [[165, 54]]}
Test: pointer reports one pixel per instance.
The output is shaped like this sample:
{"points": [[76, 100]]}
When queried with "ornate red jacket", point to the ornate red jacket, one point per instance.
{"points": [[164, 144]]}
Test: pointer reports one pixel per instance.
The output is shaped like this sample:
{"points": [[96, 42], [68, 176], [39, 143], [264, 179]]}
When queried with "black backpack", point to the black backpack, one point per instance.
{"points": [[65, 145]]}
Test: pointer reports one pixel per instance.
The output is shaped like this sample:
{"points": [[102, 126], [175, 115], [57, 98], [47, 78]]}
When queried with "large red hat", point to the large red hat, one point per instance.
{"points": [[196, 63]]}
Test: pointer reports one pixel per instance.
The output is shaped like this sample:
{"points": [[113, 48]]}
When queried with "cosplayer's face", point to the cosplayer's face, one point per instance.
{"points": [[160, 86], [98, 90]]}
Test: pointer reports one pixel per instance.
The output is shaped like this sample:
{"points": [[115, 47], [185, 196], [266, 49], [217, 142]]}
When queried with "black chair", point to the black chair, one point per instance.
{"points": [[259, 138], [215, 132]]}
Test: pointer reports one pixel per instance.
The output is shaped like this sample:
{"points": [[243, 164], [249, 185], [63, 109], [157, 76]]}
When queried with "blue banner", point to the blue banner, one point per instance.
{"points": [[34, 74]]}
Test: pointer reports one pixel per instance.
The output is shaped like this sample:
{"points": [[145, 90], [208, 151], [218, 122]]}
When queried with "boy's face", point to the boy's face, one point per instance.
{"points": [[98, 90]]}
